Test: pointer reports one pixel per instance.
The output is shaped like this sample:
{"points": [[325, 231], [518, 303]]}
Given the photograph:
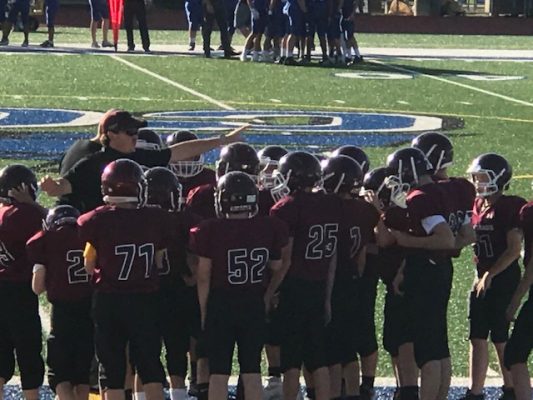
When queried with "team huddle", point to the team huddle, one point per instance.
{"points": [[272, 250]]}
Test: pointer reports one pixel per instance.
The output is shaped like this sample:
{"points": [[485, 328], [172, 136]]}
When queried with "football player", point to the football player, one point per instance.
{"points": [[57, 254], [343, 177], [305, 297], [20, 325], [234, 157], [437, 213], [295, 11], [351, 48], [124, 243], [496, 220], [234, 252], [191, 173], [178, 300], [368, 283], [317, 20], [259, 17], [520, 343], [387, 259]]}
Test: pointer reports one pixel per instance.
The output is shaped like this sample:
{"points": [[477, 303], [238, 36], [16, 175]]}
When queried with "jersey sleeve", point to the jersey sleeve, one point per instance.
{"points": [[36, 249], [88, 228], [288, 213], [513, 208], [281, 238]]}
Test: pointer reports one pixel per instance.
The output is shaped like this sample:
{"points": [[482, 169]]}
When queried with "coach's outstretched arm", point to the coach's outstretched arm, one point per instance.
{"points": [[192, 148]]}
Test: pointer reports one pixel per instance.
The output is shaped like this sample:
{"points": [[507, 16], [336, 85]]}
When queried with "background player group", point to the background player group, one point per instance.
{"points": [[273, 250]]}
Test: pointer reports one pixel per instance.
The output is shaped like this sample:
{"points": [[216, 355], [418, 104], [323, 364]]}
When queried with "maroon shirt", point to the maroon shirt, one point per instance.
{"points": [[356, 230], [313, 220], [175, 260], [451, 199], [240, 250], [526, 223], [201, 201], [18, 223], [492, 225], [126, 241], [206, 177], [61, 252]]}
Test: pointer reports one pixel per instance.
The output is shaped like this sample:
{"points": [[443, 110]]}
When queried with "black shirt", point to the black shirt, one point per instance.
{"points": [[85, 176], [79, 150]]}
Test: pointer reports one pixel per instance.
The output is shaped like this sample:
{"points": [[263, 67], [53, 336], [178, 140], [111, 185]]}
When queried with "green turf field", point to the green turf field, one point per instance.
{"points": [[491, 115]]}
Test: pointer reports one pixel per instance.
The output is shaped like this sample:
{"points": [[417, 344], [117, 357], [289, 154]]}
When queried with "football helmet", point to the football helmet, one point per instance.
{"points": [[147, 139], [123, 181], [375, 181], [296, 171], [269, 157], [16, 176], [341, 174], [236, 193], [185, 169], [60, 216], [405, 167], [437, 148], [163, 189], [355, 153], [238, 157], [490, 173]]}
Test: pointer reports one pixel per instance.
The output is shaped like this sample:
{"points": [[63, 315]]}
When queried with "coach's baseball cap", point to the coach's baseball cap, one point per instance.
{"points": [[120, 120]]}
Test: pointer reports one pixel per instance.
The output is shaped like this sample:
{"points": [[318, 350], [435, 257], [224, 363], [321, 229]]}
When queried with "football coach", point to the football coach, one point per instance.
{"points": [[81, 185]]}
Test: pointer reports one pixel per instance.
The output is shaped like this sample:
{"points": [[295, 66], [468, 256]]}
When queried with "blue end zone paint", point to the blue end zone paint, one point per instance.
{"points": [[324, 121], [50, 145], [29, 117]]}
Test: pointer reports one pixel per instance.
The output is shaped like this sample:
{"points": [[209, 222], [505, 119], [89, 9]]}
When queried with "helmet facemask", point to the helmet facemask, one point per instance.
{"points": [[486, 181], [281, 185], [399, 190], [187, 169]]}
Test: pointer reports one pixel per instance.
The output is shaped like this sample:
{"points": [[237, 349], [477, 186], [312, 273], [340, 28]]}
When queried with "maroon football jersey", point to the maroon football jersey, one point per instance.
{"points": [[205, 177], [452, 199], [18, 223], [265, 202], [61, 252], [526, 223], [201, 201], [313, 220], [175, 259], [239, 250], [126, 241], [491, 225], [356, 230]]}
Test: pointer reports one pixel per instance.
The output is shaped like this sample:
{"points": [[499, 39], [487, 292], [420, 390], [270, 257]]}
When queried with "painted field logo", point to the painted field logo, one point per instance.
{"points": [[315, 131], [42, 117]]}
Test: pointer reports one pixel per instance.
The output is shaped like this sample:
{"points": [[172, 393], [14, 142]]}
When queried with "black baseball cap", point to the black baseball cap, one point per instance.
{"points": [[120, 120]]}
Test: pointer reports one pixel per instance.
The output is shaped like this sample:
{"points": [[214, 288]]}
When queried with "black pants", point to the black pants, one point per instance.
{"points": [[218, 15], [136, 8]]}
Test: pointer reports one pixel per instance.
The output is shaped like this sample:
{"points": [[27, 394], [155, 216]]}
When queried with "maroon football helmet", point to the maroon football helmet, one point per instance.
{"points": [[123, 182]]}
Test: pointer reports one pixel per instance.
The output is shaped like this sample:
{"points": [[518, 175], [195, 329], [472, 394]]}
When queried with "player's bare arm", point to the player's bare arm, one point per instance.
{"points": [[441, 238], [204, 279], [38, 280], [511, 253], [192, 148]]}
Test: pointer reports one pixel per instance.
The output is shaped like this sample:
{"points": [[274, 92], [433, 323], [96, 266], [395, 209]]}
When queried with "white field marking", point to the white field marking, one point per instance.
{"points": [[174, 84], [466, 103], [402, 102], [463, 85], [529, 176], [339, 101], [52, 96], [275, 101]]}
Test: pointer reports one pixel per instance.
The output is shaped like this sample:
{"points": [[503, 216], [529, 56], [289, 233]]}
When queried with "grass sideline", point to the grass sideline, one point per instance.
{"points": [[98, 82]]}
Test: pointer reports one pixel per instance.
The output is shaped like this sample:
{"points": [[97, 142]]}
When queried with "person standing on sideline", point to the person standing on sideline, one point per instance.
{"points": [[137, 9], [18, 6], [99, 12], [51, 7]]}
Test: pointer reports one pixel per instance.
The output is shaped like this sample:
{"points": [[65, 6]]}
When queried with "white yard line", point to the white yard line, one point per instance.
{"points": [[174, 83], [463, 85]]}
